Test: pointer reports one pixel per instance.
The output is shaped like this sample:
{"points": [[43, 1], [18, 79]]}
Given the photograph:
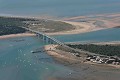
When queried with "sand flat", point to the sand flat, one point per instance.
{"points": [[16, 35]]}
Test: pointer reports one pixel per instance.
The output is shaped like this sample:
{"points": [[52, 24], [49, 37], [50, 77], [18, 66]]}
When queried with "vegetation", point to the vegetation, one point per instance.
{"points": [[4, 30], [49, 26], [109, 50], [13, 25], [117, 27], [66, 49]]}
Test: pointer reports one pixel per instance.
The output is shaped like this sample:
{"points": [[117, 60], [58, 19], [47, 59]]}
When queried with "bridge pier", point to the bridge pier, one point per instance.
{"points": [[46, 39], [50, 41], [40, 36]]}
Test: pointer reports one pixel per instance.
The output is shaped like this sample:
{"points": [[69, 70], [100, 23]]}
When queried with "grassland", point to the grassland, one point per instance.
{"points": [[109, 50], [13, 25]]}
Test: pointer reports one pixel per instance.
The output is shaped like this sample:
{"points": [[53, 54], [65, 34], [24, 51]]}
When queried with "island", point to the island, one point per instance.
{"points": [[82, 58]]}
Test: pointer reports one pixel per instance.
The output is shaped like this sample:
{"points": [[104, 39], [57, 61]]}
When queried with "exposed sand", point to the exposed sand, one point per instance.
{"points": [[90, 23], [67, 56], [93, 16], [107, 43], [102, 21], [83, 71], [52, 52], [79, 27], [16, 35], [96, 43]]}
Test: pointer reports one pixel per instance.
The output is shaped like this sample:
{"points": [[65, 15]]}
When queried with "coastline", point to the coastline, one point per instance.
{"points": [[16, 35], [79, 27], [50, 50], [83, 24], [70, 61], [82, 70]]}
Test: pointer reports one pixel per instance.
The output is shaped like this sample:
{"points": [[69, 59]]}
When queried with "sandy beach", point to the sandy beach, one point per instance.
{"points": [[80, 70], [16, 35], [52, 52], [83, 71], [84, 24], [69, 57], [90, 23], [79, 27]]}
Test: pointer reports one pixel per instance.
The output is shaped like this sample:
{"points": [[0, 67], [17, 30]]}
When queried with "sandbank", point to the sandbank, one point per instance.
{"points": [[79, 27], [69, 57], [16, 35], [82, 70]]}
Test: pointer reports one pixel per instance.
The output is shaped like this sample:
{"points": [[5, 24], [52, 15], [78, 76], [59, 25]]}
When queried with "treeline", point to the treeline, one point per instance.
{"points": [[9, 25], [109, 50], [5, 30], [117, 27], [13, 25]]}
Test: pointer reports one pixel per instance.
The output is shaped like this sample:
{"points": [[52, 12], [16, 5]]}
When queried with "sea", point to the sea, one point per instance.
{"points": [[58, 8], [16, 60], [18, 63], [106, 35]]}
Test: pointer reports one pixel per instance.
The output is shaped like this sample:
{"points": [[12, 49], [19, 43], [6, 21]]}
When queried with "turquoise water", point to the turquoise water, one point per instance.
{"points": [[58, 8], [18, 63], [112, 34]]}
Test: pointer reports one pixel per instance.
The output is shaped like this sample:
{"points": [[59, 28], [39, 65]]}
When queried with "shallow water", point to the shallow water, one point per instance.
{"points": [[59, 8], [112, 34], [18, 63]]}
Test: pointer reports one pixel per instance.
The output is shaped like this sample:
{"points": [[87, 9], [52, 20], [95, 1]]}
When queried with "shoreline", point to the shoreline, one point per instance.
{"points": [[83, 70], [71, 61], [79, 27], [16, 35], [89, 23], [83, 24], [50, 50]]}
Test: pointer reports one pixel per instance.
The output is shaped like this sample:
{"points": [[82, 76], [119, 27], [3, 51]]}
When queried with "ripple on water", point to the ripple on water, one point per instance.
{"points": [[19, 60]]}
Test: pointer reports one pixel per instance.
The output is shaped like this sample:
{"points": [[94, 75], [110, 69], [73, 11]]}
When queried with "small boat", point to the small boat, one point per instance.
{"points": [[32, 51], [38, 50]]}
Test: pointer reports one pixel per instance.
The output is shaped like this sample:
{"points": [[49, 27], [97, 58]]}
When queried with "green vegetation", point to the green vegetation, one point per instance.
{"points": [[49, 26], [13, 25], [109, 50], [66, 49], [117, 27], [4, 30]]}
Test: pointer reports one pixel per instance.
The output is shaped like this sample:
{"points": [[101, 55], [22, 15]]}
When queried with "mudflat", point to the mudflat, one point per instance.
{"points": [[83, 71]]}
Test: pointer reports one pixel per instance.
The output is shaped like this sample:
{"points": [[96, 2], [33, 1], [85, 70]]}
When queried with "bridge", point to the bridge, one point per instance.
{"points": [[52, 40], [45, 37]]}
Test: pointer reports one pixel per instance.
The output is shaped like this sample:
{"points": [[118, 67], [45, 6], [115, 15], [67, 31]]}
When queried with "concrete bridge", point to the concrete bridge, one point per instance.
{"points": [[51, 40], [45, 37]]}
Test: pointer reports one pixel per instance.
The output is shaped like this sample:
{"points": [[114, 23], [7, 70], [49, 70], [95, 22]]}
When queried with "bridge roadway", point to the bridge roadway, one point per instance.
{"points": [[45, 37], [52, 40]]}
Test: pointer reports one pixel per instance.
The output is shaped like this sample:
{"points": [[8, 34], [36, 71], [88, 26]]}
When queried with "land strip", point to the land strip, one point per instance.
{"points": [[16, 35], [82, 70]]}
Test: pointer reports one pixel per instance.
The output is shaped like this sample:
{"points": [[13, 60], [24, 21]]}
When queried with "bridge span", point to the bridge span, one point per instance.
{"points": [[52, 40], [45, 37]]}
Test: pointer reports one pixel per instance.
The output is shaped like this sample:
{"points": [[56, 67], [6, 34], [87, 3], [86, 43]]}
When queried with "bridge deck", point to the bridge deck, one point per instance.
{"points": [[58, 42]]}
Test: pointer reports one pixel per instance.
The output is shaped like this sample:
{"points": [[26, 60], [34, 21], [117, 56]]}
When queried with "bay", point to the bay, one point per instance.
{"points": [[58, 8]]}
